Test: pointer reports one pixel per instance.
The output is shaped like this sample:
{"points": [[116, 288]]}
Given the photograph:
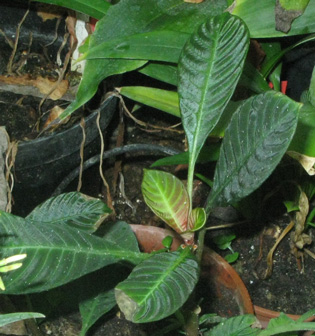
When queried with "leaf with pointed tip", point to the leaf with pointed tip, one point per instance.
{"points": [[255, 141], [158, 287], [167, 197], [74, 209], [209, 68], [14, 317]]}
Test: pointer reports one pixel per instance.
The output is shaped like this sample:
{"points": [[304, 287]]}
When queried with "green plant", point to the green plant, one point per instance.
{"points": [[60, 237]]}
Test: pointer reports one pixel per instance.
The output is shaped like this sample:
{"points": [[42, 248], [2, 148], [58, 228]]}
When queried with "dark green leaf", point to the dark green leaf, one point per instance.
{"points": [[74, 209], [158, 287], [209, 68], [254, 143], [55, 254]]}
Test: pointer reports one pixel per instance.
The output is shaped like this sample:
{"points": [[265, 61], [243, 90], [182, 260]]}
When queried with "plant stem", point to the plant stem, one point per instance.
{"points": [[201, 242]]}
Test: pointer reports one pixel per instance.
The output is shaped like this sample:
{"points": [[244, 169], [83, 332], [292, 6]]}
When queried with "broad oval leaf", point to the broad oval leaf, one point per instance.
{"points": [[209, 68], [167, 197], [55, 254], [74, 209], [254, 143], [158, 287]]}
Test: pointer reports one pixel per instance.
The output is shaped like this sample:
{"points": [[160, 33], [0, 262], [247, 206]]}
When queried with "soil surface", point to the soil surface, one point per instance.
{"points": [[290, 287]]}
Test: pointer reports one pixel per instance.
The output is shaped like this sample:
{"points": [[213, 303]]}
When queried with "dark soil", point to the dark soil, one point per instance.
{"points": [[288, 289]]}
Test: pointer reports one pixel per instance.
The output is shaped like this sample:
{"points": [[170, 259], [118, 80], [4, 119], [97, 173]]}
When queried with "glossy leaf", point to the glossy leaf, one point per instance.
{"points": [[254, 143], [14, 317], [130, 18], [164, 100], [158, 287], [56, 254], [96, 8], [74, 209], [164, 45], [167, 197], [209, 68]]}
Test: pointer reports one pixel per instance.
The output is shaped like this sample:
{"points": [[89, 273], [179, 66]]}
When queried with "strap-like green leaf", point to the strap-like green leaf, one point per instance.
{"points": [[158, 287], [209, 68], [55, 254], [254, 143], [14, 317], [74, 209], [129, 18], [167, 197]]}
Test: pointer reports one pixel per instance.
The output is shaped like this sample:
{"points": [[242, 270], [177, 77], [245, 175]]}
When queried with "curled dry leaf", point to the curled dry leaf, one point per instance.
{"points": [[54, 114]]}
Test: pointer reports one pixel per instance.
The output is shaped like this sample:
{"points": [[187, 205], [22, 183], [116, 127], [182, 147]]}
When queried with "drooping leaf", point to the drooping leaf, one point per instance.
{"points": [[235, 326], [254, 143], [55, 254], [96, 8], [209, 68], [129, 18], [14, 317], [74, 209], [167, 197], [158, 287]]}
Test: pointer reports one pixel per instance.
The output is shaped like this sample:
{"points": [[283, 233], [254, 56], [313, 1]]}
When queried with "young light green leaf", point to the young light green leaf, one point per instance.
{"points": [[158, 287], [197, 219], [209, 68], [74, 209], [167, 197], [254, 143], [14, 317]]}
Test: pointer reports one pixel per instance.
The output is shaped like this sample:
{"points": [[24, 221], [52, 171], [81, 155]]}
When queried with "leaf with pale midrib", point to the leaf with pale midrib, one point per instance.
{"points": [[254, 143]]}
